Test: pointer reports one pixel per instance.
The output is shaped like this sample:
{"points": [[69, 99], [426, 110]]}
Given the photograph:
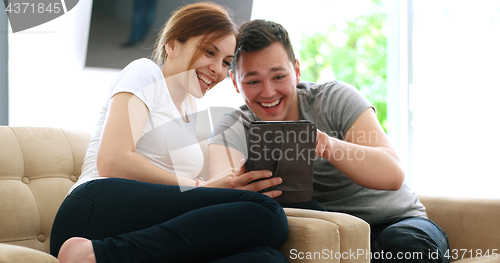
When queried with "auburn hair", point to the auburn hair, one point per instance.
{"points": [[204, 18]]}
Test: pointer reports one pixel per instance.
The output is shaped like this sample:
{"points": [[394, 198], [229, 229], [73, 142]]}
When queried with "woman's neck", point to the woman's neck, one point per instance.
{"points": [[176, 88]]}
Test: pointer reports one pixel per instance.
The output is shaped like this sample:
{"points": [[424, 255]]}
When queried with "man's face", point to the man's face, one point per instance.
{"points": [[267, 81]]}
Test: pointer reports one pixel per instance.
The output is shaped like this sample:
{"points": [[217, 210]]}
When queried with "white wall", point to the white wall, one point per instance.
{"points": [[49, 85]]}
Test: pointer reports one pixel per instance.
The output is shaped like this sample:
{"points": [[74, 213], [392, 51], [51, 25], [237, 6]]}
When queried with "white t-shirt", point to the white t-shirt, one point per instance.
{"points": [[166, 140]]}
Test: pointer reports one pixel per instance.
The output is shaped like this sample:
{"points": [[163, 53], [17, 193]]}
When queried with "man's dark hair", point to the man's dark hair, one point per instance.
{"points": [[258, 34]]}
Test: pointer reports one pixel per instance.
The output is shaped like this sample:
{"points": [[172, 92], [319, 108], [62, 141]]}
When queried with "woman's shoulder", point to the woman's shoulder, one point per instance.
{"points": [[143, 61], [143, 64], [139, 76], [141, 73]]}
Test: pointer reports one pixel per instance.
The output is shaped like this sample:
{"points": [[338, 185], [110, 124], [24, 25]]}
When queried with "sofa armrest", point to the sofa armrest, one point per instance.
{"points": [[470, 224], [326, 236], [19, 254]]}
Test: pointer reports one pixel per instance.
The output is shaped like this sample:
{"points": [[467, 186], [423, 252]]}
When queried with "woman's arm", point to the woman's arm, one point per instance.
{"points": [[116, 156], [365, 155], [224, 173]]}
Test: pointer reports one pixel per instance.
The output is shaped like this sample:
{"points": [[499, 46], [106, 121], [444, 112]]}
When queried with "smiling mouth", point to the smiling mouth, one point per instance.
{"points": [[271, 104], [205, 80]]}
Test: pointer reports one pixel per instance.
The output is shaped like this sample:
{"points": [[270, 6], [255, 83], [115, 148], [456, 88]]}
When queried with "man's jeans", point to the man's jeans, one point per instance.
{"points": [[410, 239]]}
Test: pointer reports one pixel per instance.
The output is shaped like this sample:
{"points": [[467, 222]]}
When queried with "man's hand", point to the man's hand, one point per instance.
{"points": [[365, 154], [324, 145]]}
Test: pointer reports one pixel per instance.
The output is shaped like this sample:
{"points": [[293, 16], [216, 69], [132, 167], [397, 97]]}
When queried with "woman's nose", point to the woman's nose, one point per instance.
{"points": [[216, 68]]}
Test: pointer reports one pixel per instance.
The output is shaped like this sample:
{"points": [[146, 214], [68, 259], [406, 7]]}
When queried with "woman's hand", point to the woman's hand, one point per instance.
{"points": [[238, 178], [255, 181]]}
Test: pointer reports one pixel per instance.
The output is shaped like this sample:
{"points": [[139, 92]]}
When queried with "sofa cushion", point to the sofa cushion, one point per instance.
{"points": [[39, 165], [18, 254]]}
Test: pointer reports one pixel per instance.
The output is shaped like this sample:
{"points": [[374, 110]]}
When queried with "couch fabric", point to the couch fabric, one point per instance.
{"points": [[472, 226], [38, 166]]}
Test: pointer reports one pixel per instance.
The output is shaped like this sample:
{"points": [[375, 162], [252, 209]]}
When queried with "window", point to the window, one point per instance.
{"points": [[442, 59], [337, 40], [453, 98]]}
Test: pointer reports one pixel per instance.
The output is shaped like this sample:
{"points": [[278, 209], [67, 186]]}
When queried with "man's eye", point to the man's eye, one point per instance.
{"points": [[253, 82], [280, 77]]}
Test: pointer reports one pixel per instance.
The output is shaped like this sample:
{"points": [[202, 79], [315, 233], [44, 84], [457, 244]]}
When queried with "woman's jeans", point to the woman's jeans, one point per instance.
{"points": [[131, 221]]}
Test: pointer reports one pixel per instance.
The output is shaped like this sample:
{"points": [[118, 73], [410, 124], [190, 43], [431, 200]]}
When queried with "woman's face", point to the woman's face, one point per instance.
{"points": [[210, 68]]}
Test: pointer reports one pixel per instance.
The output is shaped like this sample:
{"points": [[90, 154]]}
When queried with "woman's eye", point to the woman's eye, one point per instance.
{"points": [[226, 63], [209, 52]]}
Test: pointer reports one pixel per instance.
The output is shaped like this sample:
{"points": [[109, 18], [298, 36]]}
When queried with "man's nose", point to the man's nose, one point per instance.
{"points": [[268, 90]]}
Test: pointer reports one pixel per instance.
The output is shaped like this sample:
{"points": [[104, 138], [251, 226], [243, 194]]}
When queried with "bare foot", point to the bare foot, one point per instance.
{"points": [[76, 250]]}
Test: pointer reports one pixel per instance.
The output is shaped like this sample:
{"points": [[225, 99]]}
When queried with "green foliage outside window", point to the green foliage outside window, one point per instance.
{"points": [[356, 55]]}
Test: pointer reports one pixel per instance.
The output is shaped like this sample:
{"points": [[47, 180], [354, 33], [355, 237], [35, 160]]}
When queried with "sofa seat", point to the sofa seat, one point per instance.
{"points": [[39, 165]]}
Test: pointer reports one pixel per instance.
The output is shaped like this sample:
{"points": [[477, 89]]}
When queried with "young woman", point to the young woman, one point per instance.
{"points": [[144, 149]]}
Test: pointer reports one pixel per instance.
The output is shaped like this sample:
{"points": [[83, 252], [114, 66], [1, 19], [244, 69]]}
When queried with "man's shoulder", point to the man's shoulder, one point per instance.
{"points": [[307, 87], [241, 114], [310, 93], [231, 128]]}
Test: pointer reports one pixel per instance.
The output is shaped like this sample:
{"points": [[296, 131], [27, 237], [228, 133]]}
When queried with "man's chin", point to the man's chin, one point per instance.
{"points": [[268, 117], [263, 114]]}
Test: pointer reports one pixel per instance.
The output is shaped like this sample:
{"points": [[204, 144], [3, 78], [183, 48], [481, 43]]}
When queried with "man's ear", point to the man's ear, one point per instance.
{"points": [[297, 70], [233, 79]]}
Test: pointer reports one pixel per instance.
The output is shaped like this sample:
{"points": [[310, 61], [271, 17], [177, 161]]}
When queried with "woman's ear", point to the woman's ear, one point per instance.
{"points": [[171, 47]]}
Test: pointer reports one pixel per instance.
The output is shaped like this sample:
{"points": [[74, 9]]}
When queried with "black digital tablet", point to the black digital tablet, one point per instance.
{"points": [[286, 148]]}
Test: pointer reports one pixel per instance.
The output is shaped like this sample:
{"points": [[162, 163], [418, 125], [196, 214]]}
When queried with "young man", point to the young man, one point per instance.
{"points": [[357, 170]]}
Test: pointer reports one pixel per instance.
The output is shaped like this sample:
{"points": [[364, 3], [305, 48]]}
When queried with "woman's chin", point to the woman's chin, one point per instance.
{"points": [[197, 93]]}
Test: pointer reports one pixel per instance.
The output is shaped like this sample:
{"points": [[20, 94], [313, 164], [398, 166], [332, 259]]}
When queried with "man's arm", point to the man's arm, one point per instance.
{"points": [[365, 155]]}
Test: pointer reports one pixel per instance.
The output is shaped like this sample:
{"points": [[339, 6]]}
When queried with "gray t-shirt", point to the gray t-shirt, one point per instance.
{"points": [[333, 106]]}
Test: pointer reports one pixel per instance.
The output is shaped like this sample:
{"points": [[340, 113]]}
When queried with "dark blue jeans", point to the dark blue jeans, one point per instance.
{"points": [[411, 239], [131, 221]]}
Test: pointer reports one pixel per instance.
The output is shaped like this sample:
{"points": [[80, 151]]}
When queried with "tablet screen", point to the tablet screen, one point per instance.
{"points": [[286, 148]]}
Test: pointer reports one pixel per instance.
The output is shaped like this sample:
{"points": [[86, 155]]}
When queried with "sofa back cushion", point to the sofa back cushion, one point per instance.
{"points": [[37, 167], [472, 224]]}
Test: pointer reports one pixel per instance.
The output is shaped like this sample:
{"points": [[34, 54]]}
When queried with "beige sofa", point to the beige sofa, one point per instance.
{"points": [[39, 165], [472, 226]]}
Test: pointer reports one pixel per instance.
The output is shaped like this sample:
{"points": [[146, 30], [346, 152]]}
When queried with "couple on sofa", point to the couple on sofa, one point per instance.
{"points": [[128, 205]]}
